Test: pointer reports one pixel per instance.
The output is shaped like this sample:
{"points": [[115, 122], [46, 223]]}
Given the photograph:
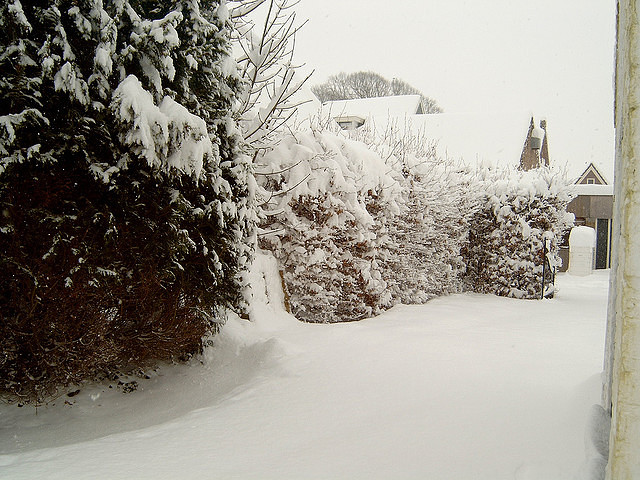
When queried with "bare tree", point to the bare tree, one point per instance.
{"points": [[336, 88], [368, 85], [347, 86], [400, 87]]}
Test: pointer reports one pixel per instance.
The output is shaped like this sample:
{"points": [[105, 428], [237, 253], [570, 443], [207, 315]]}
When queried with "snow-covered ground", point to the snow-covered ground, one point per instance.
{"points": [[464, 387]]}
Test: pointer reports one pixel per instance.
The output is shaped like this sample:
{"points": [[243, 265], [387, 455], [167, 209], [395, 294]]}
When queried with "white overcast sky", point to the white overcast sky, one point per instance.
{"points": [[554, 58]]}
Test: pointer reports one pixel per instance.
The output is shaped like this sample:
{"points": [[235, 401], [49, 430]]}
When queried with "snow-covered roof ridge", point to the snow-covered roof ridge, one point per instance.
{"points": [[395, 105], [475, 138]]}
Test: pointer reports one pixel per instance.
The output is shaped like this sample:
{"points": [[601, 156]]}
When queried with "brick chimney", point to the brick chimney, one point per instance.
{"points": [[534, 158]]}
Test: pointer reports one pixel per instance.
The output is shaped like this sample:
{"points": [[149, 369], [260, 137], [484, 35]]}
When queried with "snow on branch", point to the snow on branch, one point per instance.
{"points": [[167, 135]]}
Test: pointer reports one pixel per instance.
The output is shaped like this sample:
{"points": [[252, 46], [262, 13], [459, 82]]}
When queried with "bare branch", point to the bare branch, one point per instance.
{"points": [[266, 64], [279, 171]]}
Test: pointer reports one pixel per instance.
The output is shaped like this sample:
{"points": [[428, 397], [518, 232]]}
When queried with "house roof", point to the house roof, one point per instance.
{"points": [[592, 169], [495, 138], [489, 139], [394, 106]]}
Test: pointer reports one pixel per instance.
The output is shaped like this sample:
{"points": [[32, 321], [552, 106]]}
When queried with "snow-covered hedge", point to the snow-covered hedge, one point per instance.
{"points": [[519, 212], [359, 227], [424, 259]]}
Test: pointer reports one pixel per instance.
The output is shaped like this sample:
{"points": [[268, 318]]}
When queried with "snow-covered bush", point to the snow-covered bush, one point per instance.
{"points": [[427, 235], [519, 212], [363, 220], [126, 211], [421, 258], [316, 187]]}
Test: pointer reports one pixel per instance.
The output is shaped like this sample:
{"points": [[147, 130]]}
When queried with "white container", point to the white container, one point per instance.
{"points": [[582, 243]]}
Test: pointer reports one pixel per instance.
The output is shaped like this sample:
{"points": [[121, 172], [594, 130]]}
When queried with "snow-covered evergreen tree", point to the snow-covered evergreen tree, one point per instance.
{"points": [[127, 212]]}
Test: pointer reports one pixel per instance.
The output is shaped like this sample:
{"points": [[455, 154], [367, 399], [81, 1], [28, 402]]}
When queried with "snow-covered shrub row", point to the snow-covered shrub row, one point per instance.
{"points": [[359, 227], [127, 215], [519, 212]]}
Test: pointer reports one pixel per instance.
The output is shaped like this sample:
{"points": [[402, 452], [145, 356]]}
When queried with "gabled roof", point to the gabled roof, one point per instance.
{"points": [[592, 172], [394, 106]]}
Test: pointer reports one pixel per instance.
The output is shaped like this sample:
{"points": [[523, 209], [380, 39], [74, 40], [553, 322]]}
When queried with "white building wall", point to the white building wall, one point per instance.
{"points": [[622, 364]]}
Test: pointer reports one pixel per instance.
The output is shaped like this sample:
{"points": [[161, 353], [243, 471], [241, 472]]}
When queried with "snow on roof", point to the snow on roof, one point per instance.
{"points": [[489, 139], [397, 105], [593, 190]]}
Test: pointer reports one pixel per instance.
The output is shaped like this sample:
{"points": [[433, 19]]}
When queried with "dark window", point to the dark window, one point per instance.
{"points": [[602, 243]]}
